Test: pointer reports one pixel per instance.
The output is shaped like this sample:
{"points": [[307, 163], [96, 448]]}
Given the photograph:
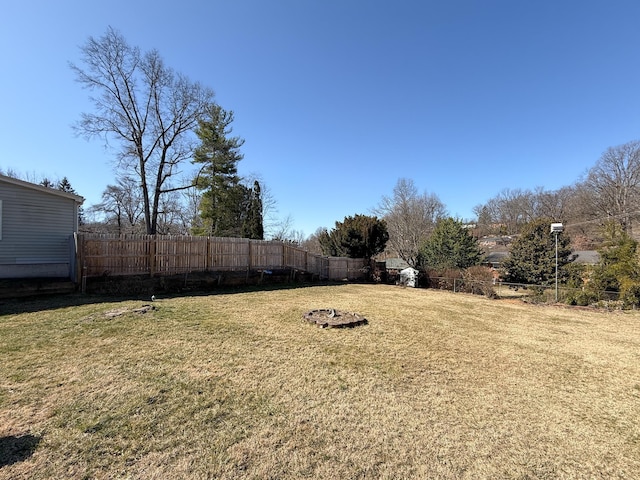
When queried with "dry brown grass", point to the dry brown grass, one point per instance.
{"points": [[438, 385]]}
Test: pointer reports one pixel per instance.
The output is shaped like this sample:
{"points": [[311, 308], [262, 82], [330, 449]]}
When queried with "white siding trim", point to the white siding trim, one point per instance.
{"points": [[0, 219]]}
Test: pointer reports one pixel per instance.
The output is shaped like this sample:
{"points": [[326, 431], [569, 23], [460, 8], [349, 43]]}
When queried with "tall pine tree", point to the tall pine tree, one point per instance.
{"points": [[223, 203], [253, 226]]}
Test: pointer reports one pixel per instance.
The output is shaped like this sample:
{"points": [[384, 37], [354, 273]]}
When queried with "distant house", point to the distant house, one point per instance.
{"points": [[36, 230], [587, 257], [494, 259]]}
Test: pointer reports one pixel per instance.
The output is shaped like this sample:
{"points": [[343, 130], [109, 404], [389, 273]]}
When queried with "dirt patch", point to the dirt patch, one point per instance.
{"points": [[122, 311]]}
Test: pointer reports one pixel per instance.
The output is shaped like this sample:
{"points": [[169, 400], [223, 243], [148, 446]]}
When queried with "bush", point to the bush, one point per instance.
{"points": [[444, 279], [577, 275], [581, 298], [479, 280], [630, 293]]}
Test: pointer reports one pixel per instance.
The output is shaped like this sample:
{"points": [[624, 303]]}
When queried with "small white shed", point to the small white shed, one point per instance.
{"points": [[409, 277]]}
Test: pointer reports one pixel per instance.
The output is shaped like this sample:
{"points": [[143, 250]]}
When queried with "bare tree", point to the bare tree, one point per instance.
{"points": [[31, 177], [410, 218], [312, 242], [10, 172], [582, 222], [614, 184], [191, 207], [554, 204], [283, 230], [172, 215], [485, 222], [147, 108], [512, 209], [121, 205]]}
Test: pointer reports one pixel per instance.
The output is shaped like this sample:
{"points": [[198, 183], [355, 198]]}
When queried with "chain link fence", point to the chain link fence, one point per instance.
{"points": [[527, 292]]}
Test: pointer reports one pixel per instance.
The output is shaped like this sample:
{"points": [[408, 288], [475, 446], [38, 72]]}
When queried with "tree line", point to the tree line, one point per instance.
{"points": [[610, 190]]}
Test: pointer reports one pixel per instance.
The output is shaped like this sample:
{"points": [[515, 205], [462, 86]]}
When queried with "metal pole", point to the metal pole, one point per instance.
{"points": [[556, 267]]}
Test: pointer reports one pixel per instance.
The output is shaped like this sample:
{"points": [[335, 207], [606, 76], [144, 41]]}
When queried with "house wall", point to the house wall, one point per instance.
{"points": [[36, 229]]}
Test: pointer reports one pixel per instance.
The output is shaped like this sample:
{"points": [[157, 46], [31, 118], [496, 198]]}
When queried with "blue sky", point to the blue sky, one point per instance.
{"points": [[338, 99]]}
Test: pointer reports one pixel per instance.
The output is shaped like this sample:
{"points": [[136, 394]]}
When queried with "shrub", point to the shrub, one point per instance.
{"points": [[479, 280], [581, 298], [630, 293], [444, 279]]}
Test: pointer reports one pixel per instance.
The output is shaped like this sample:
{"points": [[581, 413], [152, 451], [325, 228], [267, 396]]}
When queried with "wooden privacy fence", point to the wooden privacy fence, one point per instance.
{"points": [[99, 255]]}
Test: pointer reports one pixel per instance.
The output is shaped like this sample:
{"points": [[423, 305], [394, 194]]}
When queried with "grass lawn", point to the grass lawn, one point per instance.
{"points": [[237, 385]]}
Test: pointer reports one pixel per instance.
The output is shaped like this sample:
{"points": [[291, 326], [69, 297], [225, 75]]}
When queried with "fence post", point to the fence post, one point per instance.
{"points": [[152, 254], [78, 258], [207, 260], [284, 263]]}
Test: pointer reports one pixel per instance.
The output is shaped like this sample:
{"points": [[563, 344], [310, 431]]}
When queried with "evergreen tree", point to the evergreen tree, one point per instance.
{"points": [[450, 246], [65, 186], [360, 236], [252, 226], [618, 259], [532, 256], [224, 199], [327, 243]]}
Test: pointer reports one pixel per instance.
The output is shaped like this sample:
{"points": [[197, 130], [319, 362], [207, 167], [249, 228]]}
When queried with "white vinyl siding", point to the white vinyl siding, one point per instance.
{"points": [[35, 227]]}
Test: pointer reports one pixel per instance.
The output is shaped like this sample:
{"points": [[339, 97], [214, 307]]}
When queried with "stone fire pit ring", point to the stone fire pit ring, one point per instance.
{"points": [[332, 318]]}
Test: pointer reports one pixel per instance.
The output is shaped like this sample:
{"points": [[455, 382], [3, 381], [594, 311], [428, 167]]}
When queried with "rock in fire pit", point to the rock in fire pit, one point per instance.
{"points": [[331, 318]]}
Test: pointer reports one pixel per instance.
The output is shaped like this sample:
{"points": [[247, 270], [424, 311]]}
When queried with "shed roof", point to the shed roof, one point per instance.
{"points": [[395, 264], [40, 188]]}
